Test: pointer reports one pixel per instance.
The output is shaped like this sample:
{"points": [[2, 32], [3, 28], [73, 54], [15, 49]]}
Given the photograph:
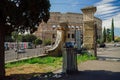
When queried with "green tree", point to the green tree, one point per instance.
{"points": [[108, 35], [19, 38], [30, 38], [8, 39], [14, 35], [38, 41], [112, 30], [117, 39], [20, 15], [47, 42], [23, 38], [104, 35]]}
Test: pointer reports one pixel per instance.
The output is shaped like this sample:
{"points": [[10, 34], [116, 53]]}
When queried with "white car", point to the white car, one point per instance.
{"points": [[22, 50], [117, 45]]}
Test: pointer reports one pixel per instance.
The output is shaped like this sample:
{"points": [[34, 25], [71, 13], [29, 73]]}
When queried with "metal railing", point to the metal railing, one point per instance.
{"points": [[11, 55]]}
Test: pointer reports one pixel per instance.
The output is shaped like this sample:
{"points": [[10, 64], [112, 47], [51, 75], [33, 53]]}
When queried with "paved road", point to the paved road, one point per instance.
{"points": [[109, 53], [114, 53]]}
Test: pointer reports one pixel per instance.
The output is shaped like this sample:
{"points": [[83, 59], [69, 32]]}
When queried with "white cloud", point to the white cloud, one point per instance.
{"points": [[106, 16], [109, 12], [107, 23], [75, 3], [106, 10], [104, 2]]}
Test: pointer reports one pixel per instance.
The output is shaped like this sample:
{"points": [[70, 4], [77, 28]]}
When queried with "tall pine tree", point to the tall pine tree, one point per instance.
{"points": [[104, 35], [108, 35], [112, 30]]}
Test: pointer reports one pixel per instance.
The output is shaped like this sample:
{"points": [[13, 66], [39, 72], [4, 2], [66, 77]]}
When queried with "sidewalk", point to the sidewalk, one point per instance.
{"points": [[95, 70], [107, 67], [89, 70]]}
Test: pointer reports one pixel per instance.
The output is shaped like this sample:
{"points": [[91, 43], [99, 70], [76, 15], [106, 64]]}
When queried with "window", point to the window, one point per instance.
{"points": [[68, 35], [53, 36], [73, 36]]}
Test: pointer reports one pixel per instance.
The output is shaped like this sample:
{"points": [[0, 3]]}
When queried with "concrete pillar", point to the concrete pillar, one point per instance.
{"points": [[88, 30]]}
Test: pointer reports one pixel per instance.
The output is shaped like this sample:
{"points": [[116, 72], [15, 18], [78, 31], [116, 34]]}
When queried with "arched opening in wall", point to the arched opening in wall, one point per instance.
{"points": [[72, 27], [53, 43], [53, 27], [69, 26], [73, 36], [77, 27], [53, 36], [68, 35]]}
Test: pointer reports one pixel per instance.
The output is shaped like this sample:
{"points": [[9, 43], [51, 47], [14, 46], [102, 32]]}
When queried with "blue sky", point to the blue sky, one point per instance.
{"points": [[106, 9]]}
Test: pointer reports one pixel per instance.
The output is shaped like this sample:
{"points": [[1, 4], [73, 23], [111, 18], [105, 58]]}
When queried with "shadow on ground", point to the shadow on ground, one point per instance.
{"points": [[80, 75], [103, 58]]}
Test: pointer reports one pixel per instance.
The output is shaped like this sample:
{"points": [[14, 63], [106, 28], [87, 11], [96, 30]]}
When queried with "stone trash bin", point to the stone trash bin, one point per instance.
{"points": [[69, 60]]}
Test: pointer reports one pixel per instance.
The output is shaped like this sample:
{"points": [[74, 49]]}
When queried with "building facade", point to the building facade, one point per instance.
{"points": [[74, 20]]}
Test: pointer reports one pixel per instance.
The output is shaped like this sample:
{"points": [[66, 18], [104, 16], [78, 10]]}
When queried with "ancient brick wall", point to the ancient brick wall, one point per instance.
{"points": [[48, 30]]}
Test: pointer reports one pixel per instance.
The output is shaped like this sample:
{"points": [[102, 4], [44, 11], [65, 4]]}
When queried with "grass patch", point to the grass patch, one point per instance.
{"points": [[85, 57], [34, 66], [48, 61], [38, 60], [14, 64]]}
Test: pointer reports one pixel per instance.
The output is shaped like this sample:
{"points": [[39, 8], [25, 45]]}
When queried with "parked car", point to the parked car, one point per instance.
{"points": [[6, 48], [117, 45], [102, 45], [21, 50]]}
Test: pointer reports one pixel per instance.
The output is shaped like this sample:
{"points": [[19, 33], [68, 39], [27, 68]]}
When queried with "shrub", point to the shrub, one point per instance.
{"points": [[117, 39], [47, 42], [38, 41]]}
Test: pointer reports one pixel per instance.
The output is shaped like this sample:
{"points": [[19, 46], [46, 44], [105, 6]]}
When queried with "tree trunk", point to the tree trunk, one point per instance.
{"points": [[95, 40], [2, 55]]}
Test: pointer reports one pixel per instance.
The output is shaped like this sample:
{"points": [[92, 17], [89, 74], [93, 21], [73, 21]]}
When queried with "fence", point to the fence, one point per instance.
{"points": [[12, 55]]}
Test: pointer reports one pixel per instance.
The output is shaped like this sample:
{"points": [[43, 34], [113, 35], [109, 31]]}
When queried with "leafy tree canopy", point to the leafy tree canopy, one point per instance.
{"points": [[20, 15], [23, 14]]}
